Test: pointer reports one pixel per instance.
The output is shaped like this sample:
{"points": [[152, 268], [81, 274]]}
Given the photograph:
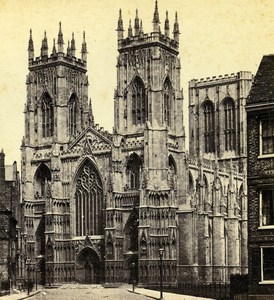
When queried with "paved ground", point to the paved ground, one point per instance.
{"points": [[78, 292]]}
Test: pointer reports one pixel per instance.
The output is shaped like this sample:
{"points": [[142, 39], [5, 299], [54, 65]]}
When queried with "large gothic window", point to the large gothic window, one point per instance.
{"points": [[47, 116], [133, 170], [229, 130], [139, 107], [89, 202], [167, 102], [72, 122], [209, 127]]}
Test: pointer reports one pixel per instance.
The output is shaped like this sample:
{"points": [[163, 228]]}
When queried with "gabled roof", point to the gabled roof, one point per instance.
{"points": [[262, 90]]}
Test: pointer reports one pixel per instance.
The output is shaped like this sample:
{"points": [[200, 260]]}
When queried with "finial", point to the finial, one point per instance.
{"points": [[156, 19], [136, 24], [167, 25], [90, 114], [129, 29]]}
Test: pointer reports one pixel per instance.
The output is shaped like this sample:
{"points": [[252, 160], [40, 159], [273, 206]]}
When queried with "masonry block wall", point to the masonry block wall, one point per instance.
{"points": [[260, 124]]}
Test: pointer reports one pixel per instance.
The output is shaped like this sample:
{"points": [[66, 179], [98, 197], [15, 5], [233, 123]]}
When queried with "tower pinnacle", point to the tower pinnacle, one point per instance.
{"points": [[72, 44], [130, 29], [176, 30], [30, 47], [167, 25], [136, 24], [84, 48], [54, 48], [60, 41], [156, 19], [120, 28], [44, 47]]}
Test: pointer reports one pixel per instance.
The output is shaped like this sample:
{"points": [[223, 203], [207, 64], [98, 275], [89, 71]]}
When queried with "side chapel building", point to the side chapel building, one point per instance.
{"points": [[95, 203]]}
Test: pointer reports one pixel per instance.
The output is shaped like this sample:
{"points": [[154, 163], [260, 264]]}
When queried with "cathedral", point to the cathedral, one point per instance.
{"points": [[99, 206]]}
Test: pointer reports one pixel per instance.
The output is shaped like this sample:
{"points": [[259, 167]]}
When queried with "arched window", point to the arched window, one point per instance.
{"points": [[72, 123], [229, 130], [47, 116], [209, 126], [133, 171], [167, 102], [89, 201], [42, 181], [139, 105]]}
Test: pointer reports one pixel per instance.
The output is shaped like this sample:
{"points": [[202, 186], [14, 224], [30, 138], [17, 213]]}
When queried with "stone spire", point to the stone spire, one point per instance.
{"points": [[120, 28], [72, 46], [130, 29], [167, 25], [136, 24], [54, 48], [156, 20], [44, 47], [31, 47], [176, 30], [84, 48], [60, 41]]}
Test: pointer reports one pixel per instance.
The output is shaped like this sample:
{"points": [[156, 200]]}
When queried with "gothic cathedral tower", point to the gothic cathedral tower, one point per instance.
{"points": [[147, 154]]}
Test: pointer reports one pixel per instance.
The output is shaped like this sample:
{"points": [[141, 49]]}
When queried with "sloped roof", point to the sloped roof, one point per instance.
{"points": [[262, 90]]}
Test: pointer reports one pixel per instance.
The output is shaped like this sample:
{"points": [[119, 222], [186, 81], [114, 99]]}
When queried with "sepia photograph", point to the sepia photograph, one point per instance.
{"points": [[137, 149]]}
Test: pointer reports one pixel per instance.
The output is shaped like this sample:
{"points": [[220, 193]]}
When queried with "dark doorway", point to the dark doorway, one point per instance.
{"points": [[87, 266]]}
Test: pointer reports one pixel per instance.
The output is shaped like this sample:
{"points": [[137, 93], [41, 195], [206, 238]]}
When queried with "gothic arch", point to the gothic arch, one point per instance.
{"points": [[172, 164], [133, 168], [88, 200], [42, 180], [87, 266], [139, 101], [228, 111], [209, 125]]}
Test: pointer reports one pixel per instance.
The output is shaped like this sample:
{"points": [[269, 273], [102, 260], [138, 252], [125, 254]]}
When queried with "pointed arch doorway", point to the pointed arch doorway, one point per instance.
{"points": [[87, 269]]}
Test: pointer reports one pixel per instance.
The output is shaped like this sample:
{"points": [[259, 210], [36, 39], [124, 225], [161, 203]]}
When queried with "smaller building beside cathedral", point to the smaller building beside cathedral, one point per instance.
{"points": [[99, 206]]}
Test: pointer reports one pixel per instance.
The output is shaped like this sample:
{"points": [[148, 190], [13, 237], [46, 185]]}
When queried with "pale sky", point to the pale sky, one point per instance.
{"points": [[217, 37]]}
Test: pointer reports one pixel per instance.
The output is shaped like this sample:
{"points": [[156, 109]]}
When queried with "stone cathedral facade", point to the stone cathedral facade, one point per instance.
{"points": [[98, 206]]}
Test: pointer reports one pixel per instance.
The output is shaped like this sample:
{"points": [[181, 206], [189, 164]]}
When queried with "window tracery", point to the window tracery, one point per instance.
{"points": [[209, 127], [88, 201], [139, 105]]}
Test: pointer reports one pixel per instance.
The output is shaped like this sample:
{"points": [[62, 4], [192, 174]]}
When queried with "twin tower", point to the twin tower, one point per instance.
{"points": [[99, 206]]}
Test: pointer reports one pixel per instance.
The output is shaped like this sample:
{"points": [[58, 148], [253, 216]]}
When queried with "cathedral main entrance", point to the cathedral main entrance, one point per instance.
{"points": [[87, 269]]}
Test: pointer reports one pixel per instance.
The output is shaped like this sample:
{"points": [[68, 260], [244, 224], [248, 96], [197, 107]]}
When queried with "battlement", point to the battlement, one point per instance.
{"points": [[217, 80], [147, 39], [60, 58]]}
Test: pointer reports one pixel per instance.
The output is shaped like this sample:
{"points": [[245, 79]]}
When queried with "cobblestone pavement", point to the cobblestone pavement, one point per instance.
{"points": [[78, 292]]}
